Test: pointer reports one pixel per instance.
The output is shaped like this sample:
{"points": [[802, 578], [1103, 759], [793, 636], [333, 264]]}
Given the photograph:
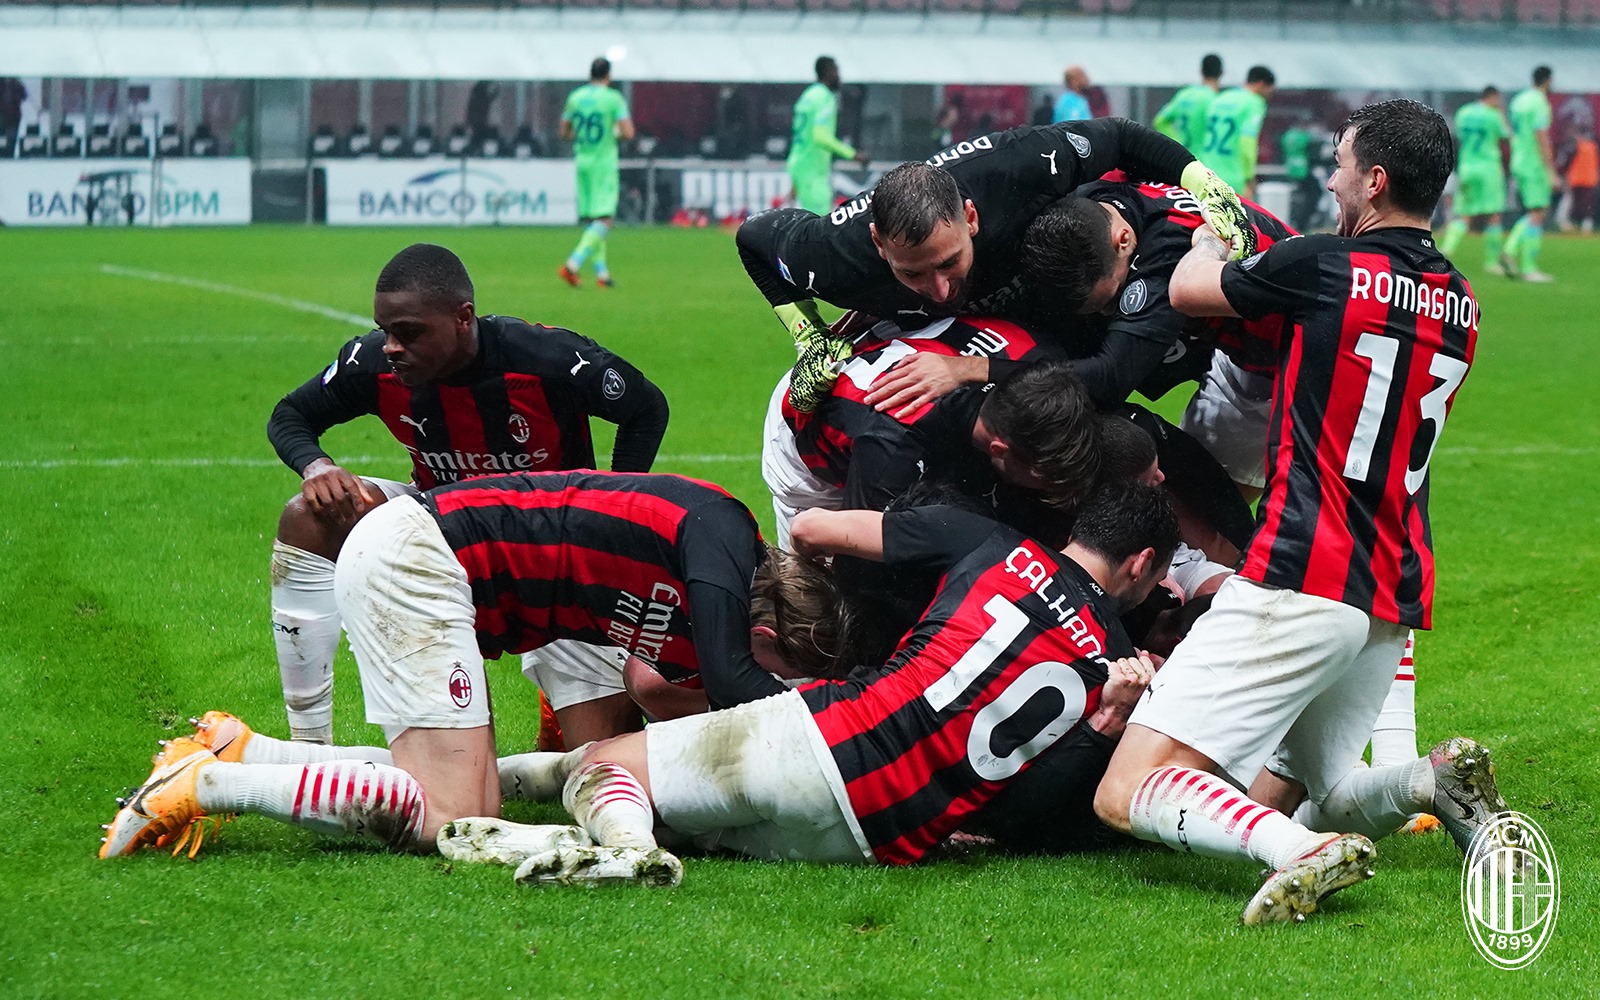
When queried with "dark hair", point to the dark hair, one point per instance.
{"points": [[1211, 66], [600, 69], [1261, 74], [911, 200], [802, 603], [1045, 416], [1490, 91], [430, 269], [1126, 450], [1413, 145], [1119, 520], [824, 64], [1541, 75], [1066, 250]]}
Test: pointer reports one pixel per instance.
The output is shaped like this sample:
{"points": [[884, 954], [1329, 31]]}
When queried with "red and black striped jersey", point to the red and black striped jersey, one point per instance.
{"points": [[1164, 218], [659, 565], [1008, 659], [1383, 334], [522, 404], [873, 457]]}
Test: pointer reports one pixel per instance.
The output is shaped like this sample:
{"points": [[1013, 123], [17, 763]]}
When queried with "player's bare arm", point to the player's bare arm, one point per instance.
{"points": [[857, 533], [1196, 287]]}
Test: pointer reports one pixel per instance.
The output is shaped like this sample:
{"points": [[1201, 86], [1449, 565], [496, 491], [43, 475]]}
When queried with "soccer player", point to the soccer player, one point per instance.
{"points": [[1233, 130], [670, 569], [1073, 104], [1481, 194], [1533, 166], [1277, 687], [595, 117], [1019, 658], [813, 141], [1184, 117], [465, 395], [941, 238]]}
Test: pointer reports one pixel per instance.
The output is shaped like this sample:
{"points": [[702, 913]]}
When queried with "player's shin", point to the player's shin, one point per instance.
{"points": [[537, 777], [1200, 813], [1451, 237], [1394, 736], [611, 805], [267, 750], [1373, 802], [1494, 237], [305, 629], [347, 797]]}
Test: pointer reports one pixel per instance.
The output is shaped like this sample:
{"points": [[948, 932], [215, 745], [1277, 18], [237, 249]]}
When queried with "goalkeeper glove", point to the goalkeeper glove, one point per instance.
{"points": [[1222, 209]]}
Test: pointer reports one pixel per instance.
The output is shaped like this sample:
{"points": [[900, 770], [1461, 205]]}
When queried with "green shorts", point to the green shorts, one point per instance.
{"points": [[597, 191], [1482, 191], [1533, 189], [814, 192]]}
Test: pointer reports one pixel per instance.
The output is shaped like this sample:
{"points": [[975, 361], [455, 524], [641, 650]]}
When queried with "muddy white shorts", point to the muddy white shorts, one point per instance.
{"points": [[757, 779], [570, 672], [1273, 674], [793, 486], [1228, 414], [407, 608]]}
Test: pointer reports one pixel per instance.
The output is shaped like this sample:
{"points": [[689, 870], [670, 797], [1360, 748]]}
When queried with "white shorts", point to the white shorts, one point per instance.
{"points": [[794, 488], [407, 608], [1273, 674], [1229, 414], [757, 779], [570, 672]]}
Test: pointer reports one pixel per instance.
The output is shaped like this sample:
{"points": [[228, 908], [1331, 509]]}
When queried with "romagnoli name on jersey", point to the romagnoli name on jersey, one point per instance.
{"points": [[1403, 292]]}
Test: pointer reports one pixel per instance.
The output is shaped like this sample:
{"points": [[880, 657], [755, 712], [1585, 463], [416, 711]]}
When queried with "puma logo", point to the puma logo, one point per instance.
{"points": [[1051, 156], [415, 423], [355, 349], [581, 362]]}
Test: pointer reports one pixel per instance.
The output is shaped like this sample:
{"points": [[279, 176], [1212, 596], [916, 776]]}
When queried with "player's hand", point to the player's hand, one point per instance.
{"points": [[1222, 209], [922, 378], [862, 157], [333, 492], [1126, 681]]}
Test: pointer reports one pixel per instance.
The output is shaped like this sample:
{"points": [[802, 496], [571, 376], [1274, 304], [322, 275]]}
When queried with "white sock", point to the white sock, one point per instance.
{"points": [[537, 777], [1373, 802], [305, 628], [609, 802], [351, 797], [269, 750], [1394, 737], [1200, 813]]}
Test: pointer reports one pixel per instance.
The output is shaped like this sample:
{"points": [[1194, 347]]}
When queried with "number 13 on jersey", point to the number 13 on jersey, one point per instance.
{"points": [[1381, 353]]}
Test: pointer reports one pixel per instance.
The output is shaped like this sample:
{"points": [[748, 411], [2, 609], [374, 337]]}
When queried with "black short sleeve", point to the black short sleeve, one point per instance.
{"points": [[1281, 279], [933, 538]]}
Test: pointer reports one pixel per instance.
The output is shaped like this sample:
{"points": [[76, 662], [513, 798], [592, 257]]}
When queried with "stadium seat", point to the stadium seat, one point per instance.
{"points": [[67, 142], [525, 145], [101, 142], [203, 143], [392, 143], [135, 142], [459, 142], [8, 145], [32, 142], [323, 142], [170, 142], [489, 144], [423, 142], [359, 141]]}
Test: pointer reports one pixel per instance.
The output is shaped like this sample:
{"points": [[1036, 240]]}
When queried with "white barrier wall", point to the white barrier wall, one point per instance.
{"points": [[441, 191], [181, 192]]}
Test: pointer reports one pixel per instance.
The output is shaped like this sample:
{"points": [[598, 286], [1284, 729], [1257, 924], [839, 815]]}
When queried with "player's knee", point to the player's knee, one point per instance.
{"points": [[303, 528], [1111, 801]]}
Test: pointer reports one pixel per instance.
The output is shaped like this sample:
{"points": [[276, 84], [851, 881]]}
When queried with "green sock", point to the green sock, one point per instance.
{"points": [[1493, 238], [1514, 238], [1451, 238], [586, 245], [1532, 239], [600, 268]]}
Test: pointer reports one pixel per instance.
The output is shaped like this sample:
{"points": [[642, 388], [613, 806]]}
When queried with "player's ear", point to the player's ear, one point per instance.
{"points": [[464, 314], [970, 212], [872, 227]]}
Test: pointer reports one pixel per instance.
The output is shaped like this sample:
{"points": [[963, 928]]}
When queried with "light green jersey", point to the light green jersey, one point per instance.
{"points": [[1233, 130], [1479, 128], [1296, 146], [1530, 115], [1184, 117], [594, 111], [813, 143]]}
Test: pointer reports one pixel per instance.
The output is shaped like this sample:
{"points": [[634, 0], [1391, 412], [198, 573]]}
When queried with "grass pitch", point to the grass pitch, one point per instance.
{"points": [[140, 497]]}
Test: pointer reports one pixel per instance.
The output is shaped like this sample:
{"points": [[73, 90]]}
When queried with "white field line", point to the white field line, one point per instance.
{"points": [[269, 463], [299, 305]]}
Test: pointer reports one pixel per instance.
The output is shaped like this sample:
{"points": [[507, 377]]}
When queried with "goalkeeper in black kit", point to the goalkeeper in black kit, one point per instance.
{"points": [[928, 255]]}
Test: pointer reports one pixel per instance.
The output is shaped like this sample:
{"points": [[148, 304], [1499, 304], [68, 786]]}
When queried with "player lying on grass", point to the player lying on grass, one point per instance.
{"points": [[466, 395], [954, 248], [670, 569], [1019, 656], [1280, 683]]}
